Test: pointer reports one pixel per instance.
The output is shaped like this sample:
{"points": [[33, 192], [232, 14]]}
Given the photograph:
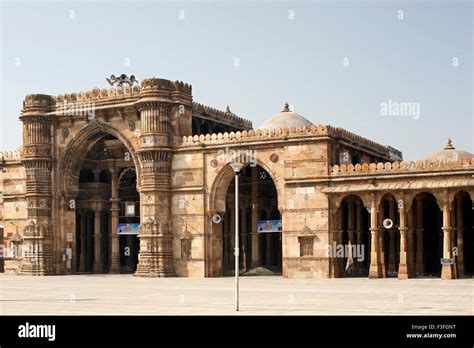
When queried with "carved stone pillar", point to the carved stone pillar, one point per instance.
{"points": [[392, 267], [39, 257], [447, 270], [97, 208], [334, 271], [402, 267], [420, 266], [359, 231], [375, 270], [460, 236], [405, 268], [255, 210], [83, 237], [160, 102], [338, 234], [453, 235], [114, 219], [350, 233], [381, 241], [411, 268]]}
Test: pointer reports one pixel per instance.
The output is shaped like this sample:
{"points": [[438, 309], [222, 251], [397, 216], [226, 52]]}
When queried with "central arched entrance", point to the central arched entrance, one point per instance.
{"points": [[108, 207], [100, 183], [260, 232]]}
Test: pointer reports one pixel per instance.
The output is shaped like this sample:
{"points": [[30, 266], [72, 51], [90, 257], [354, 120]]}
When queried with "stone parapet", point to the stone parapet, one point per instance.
{"points": [[254, 135], [221, 115], [398, 167], [10, 156]]}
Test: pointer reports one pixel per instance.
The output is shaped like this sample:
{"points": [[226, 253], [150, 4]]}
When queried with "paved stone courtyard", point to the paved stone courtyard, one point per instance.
{"points": [[272, 295]]}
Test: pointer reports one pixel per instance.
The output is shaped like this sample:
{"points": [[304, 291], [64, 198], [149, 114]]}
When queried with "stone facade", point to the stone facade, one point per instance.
{"points": [[63, 192]]}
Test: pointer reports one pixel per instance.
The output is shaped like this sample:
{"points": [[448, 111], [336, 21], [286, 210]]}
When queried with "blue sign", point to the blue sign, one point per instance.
{"points": [[268, 226], [127, 229]]}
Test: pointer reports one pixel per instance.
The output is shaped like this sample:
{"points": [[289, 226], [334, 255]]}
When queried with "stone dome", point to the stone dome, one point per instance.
{"points": [[285, 119], [449, 153]]}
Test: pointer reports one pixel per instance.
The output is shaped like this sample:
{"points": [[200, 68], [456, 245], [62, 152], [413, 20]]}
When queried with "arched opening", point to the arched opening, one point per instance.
{"points": [[463, 233], [390, 235], [353, 249], [260, 240], [106, 207], [428, 241]]}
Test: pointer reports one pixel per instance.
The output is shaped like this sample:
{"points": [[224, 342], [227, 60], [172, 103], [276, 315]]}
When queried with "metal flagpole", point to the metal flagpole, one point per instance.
{"points": [[236, 166], [236, 252]]}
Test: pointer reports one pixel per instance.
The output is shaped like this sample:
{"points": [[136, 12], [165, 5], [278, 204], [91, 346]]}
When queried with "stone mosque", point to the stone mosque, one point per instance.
{"points": [[137, 179]]}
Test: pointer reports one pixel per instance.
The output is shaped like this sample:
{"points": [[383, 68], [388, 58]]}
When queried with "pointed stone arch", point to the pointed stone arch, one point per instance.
{"points": [[216, 204], [75, 151]]}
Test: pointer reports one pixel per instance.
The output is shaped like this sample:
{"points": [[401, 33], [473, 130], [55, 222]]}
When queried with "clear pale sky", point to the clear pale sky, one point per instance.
{"points": [[63, 47]]}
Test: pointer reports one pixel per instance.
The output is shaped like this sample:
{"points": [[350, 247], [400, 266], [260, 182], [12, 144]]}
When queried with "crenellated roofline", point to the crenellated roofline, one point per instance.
{"points": [[219, 115], [10, 156], [286, 133]]}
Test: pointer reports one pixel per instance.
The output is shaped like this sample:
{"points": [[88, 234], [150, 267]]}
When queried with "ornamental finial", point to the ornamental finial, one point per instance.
{"points": [[449, 145], [286, 108]]}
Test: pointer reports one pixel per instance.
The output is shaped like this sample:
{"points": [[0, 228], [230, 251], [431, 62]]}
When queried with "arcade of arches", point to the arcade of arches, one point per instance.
{"points": [[423, 238]]}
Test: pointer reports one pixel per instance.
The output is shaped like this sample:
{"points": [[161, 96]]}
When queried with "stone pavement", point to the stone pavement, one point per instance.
{"points": [[271, 295]]}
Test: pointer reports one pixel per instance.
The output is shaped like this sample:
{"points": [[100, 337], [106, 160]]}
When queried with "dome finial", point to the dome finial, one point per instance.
{"points": [[449, 145], [227, 109], [286, 108]]}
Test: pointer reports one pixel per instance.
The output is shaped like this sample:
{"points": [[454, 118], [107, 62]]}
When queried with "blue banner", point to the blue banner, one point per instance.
{"points": [[126, 229], [267, 226]]}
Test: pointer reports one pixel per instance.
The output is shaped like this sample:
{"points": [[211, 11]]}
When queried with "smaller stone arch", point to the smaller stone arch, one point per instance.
{"points": [[217, 242], [225, 176], [339, 198]]}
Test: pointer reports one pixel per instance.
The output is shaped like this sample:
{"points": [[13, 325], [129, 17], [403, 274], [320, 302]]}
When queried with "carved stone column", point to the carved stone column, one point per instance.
{"points": [[114, 219], [83, 237], [419, 236], [359, 231], [338, 234], [392, 267], [381, 241], [402, 267], [405, 267], [453, 235], [97, 208], [160, 101], [335, 214], [39, 257], [460, 236], [375, 270], [350, 232], [447, 270], [411, 268]]}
